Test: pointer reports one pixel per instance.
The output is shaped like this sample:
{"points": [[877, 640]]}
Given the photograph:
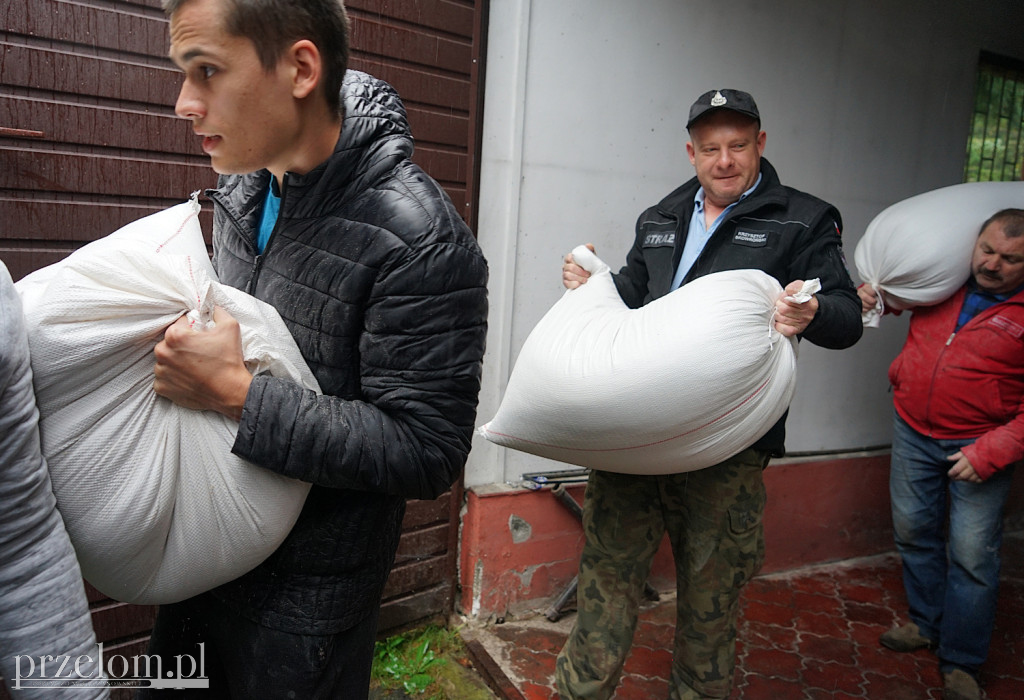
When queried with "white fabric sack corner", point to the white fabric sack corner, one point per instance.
{"points": [[157, 507], [680, 384], [917, 252]]}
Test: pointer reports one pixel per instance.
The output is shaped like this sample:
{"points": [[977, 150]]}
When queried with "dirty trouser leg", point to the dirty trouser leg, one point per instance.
{"points": [[246, 661], [714, 520], [623, 527]]}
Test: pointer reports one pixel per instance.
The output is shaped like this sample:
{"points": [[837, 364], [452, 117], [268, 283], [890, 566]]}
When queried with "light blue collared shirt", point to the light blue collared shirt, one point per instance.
{"points": [[699, 234]]}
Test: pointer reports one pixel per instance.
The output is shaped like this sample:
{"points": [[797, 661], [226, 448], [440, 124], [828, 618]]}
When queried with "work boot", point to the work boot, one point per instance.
{"points": [[906, 638], [960, 685]]}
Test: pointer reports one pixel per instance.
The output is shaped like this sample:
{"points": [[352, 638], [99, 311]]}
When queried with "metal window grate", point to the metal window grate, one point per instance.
{"points": [[995, 147]]}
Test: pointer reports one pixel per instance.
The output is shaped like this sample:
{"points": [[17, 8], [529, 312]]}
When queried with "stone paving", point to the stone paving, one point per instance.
{"points": [[805, 635]]}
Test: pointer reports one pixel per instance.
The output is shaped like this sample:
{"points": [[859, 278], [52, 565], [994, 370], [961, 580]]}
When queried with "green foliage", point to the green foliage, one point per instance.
{"points": [[414, 660], [995, 148]]}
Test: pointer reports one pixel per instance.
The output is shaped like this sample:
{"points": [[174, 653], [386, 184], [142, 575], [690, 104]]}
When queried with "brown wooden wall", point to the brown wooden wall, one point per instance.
{"points": [[89, 141], [88, 136], [431, 51]]}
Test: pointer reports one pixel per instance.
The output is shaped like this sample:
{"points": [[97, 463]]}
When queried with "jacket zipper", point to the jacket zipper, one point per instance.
{"points": [[257, 263], [931, 384], [938, 363], [215, 197]]}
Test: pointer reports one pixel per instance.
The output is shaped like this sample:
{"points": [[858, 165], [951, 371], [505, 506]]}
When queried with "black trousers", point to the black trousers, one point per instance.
{"points": [[245, 661]]}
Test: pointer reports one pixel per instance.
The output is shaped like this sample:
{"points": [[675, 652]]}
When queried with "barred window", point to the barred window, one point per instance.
{"points": [[995, 147]]}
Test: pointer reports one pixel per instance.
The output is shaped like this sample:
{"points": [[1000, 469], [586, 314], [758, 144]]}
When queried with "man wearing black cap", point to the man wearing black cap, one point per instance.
{"points": [[734, 214]]}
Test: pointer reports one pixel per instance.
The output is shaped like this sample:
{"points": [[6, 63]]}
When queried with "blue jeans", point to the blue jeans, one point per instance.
{"points": [[951, 580]]}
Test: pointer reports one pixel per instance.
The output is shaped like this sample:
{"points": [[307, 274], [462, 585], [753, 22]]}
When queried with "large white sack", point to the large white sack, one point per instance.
{"points": [[680, 384], [157, 507], [917, 252]]}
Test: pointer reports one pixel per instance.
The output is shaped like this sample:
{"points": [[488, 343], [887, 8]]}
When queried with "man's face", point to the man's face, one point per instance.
{"points": [[725, 149], [998, 261], [245, 115]]}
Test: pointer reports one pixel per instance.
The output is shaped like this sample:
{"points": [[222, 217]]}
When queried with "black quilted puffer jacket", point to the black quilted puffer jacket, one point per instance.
{"points": [[382, 285]]}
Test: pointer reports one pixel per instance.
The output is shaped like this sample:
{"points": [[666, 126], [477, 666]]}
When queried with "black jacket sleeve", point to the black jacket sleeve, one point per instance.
{"points": [[837, 324], [631, 280], [420, 355]]}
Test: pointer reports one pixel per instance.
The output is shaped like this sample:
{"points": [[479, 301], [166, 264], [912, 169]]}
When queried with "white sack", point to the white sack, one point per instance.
{"points": [[917, 252], [157, 507], [680, 384]]}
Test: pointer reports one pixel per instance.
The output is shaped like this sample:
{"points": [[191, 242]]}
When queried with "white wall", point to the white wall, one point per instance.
{"points": [[864, 103]]}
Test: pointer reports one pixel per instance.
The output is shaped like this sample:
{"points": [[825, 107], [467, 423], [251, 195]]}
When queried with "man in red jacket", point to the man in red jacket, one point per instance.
{"points": [[959, 431]]}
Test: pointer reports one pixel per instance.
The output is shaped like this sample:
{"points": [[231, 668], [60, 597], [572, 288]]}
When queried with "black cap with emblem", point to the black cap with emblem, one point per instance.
{"points": [[714, 100]]}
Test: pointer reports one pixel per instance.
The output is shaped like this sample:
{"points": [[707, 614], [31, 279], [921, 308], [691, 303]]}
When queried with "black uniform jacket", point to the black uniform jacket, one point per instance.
{"points": [[786, 233]]}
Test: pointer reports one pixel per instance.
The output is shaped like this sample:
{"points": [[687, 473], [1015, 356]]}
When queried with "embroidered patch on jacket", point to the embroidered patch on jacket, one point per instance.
{"points": [[754, 239], [659, 240], [1009, 325]]}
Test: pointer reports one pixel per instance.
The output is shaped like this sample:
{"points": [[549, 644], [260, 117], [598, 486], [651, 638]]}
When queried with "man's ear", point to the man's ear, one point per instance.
{"points": [[307, 67]]}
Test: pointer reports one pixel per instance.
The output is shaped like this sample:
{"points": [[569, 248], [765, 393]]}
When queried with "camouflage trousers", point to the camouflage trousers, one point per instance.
{"points": [[713, 518]]}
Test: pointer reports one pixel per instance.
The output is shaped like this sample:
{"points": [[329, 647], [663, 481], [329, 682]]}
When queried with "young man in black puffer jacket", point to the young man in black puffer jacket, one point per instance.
{"points": [[383, 288]]}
